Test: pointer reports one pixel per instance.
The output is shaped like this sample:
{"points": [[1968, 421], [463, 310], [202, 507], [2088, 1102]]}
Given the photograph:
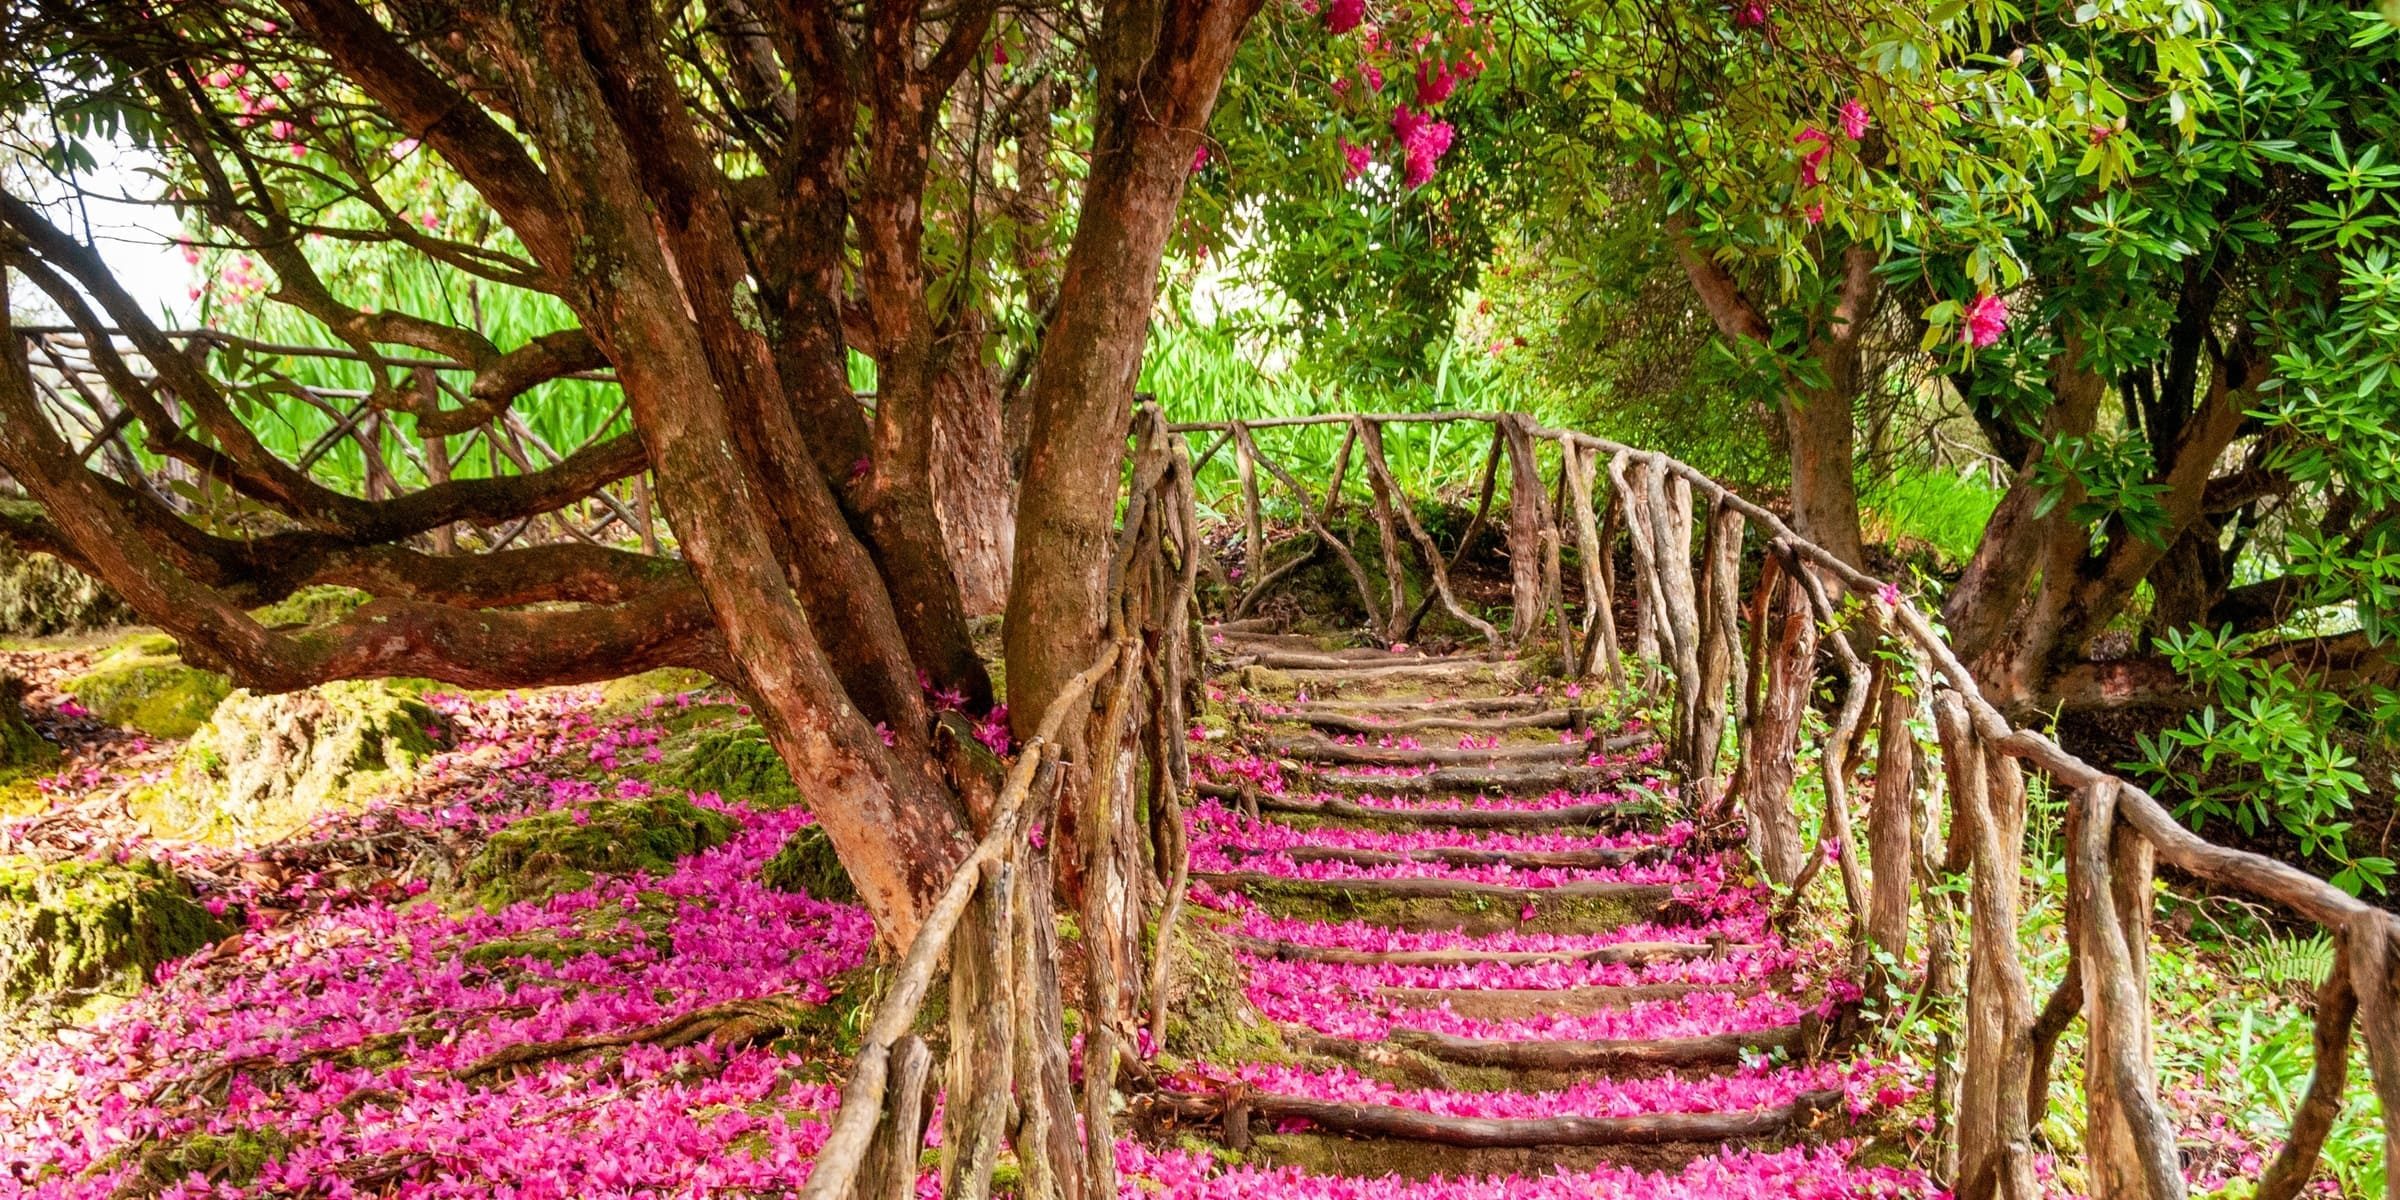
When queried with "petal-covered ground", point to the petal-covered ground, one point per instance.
{"points": [[370, 1041]]}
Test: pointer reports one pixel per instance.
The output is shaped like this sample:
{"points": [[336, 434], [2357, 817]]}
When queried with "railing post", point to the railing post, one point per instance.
{"points": [[981, 1036], [2129, 1142], [1525, 524], [1891, 812], [1786, 673], [889, 1171], [1994, 1150], [1591, 550]]}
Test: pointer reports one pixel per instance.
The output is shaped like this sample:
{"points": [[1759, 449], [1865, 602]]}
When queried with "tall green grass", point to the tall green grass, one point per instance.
{"points": [[1943, 509]]}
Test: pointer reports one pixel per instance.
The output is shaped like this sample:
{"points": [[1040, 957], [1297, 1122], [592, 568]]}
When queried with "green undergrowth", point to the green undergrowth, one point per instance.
{"points": [[739, 764], [315, 605], [561, 850], [1210, 1018], [231, 1158], [90, 928], [633, 693]]}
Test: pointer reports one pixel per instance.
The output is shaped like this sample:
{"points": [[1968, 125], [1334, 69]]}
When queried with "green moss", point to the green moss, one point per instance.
{"points": [[141, 684], [21, 746], [318, 605], [738, 764], [1209, 1017], [80, 925], [631, 693], [807, 863], [234, 1158], [554, 852], [264, 766]]}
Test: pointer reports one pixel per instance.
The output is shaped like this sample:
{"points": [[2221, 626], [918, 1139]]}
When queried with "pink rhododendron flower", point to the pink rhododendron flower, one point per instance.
{"points": [[1199, 157], [1423, 141], [1987, 319], [1854, 119], [1814, 146], [1354, 162], [1342, 16], [1750, 14], [1435, 82]]}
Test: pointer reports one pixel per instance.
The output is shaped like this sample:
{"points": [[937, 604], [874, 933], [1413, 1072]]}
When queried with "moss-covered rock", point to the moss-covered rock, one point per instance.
{"points": [[316, 605], [739, 764], [264, 766], [142, 684], [560, 851], [80, 925], [21, 746], [41, 595], [632, 693], [807, 863]]}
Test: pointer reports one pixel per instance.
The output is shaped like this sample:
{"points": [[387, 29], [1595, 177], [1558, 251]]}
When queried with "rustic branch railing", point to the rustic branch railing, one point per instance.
{"points": [[1117, 723], [1688, 633], [79, 381]]}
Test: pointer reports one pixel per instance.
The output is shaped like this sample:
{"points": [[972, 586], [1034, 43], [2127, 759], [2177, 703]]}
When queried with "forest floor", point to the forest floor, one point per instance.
{"points": [[1453, 938]]}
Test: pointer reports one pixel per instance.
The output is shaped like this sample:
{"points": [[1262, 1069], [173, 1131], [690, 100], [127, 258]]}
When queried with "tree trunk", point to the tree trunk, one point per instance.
{"points": [[1160, 65], [974, 491], [1824, 482], [1788, 673]]}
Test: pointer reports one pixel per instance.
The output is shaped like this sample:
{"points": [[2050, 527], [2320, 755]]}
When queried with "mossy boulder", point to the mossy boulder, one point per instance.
{"points": [[561, 850], [807, 863], [739, 764], [632, 693], [82, 925], [41, 595], [141, 683], [22, 747], [264, 766]]}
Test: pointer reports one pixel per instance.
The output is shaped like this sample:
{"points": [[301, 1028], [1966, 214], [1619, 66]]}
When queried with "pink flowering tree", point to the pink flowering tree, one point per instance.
{"points": [[1350, 168]]}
